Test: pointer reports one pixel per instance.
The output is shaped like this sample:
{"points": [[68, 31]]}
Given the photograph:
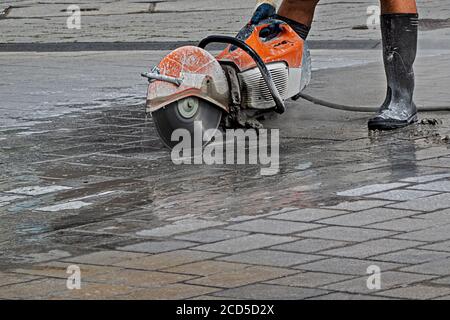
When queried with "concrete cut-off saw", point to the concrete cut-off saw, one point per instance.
{"points": [[260, 69]]}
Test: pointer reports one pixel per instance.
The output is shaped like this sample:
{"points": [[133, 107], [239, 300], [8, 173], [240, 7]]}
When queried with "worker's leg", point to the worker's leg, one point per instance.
{"points": [[301, 11], [399, 27], [298, 14]]}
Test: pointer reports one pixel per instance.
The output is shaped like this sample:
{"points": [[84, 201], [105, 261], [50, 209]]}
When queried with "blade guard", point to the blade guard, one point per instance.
{"points": [[201, 76]]}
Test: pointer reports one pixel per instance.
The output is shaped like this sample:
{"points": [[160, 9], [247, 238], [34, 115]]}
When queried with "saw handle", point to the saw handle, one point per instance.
{"points": [[267, 76]]}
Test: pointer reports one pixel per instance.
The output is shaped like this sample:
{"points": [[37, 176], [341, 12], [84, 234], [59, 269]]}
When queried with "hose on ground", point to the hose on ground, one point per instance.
{"points": [[343, 107]]}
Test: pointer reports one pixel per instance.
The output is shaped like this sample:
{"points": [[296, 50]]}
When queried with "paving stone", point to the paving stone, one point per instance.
{"points": [[37, 289], [211, 298], [433, 203], [367, 217], [389, 280], [58, 269], [372, 248], [308, 215], [9, 198], [310, 279], [270, 292], [434, 234], [166, 260], [251, 242], [170, 292], [181, 226], [437, 217], [440, 246], [417, 292], [402, 195], [341, 296], [412, 256], [46, 256], [105, 257], [272, 226], [404, 224], [241, 277], [271, 258], [38, 190], [138, 278], [439, 163], [428, 178], [346, 266], [442, 281], [309, 245], [350, 234], [206, 268], [375, 188], [360, 205], [437, 267], [157, 246], [94, 291], [441, 186], [211, 235], [12, 278]]}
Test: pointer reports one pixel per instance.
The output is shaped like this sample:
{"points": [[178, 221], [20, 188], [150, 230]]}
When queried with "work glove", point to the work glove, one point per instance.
{"points": [[264, 11]]}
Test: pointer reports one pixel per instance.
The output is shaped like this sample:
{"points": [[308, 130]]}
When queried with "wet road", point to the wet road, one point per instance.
{"points": [[92, 176], [108, 156]]}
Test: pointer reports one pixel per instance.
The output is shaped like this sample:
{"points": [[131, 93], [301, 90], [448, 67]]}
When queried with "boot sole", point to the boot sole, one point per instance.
{"points": [[387, 125]]}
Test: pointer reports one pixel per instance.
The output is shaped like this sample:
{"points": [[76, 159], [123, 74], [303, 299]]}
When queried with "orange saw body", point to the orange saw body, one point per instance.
{"points": [[254, 75]]}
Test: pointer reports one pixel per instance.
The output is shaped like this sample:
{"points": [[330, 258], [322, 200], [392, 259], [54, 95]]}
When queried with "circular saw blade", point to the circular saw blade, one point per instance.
{"points": [[187, 114]]}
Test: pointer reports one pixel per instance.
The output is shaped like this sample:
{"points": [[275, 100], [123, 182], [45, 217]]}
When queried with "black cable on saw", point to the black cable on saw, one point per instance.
{"points": [[343, 107]]}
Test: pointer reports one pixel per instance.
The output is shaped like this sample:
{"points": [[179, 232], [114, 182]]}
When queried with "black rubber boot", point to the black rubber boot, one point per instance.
{"points": [[399, 32]]}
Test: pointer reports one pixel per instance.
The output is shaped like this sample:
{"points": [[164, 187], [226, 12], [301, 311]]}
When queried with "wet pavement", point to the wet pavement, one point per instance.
{"points": [[91, 185]]}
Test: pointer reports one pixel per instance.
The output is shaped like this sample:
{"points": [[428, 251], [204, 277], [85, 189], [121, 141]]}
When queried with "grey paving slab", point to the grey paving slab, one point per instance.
{"points": [[439, 246], [417, 292], [309, 245], [342, 296], [246, 243], [371, 189], [372, 248], [441, 186], [364, 218], [105, 257], [180, 226], [272, 226], [437, 267], [438, 233], [346, 266], [404, 224], [308, 215], [350, 234], [412, 256], [157, 246], [428, 178], [438, 217], [442, 281], [271, 258], [310, 279], [270, 292], [360, 205], [437, 163], [389, 280], [402, 195], [433, 203], [211, 235]]}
